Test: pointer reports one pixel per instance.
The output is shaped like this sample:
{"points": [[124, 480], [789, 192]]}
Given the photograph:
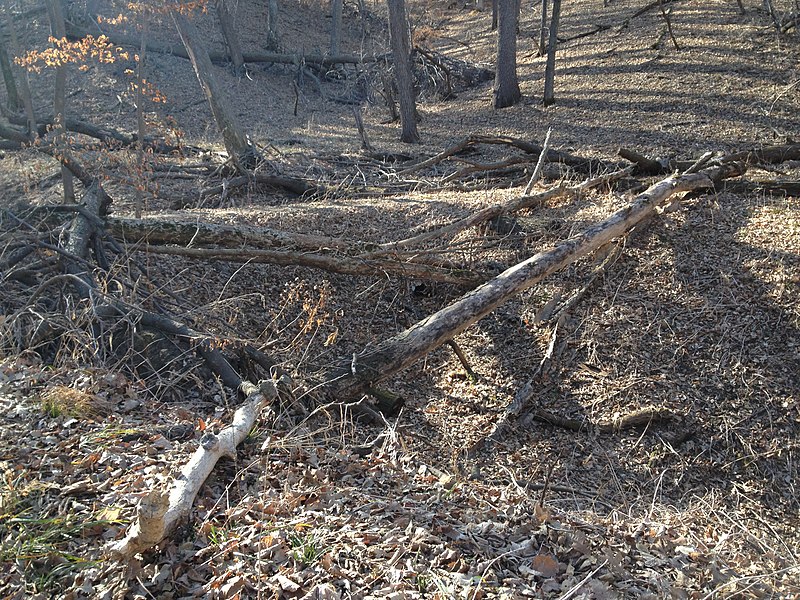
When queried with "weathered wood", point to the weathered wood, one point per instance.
{"points": [[226, 22], [401, 53], [169, 231], [107, 135], [579, 163], [161, 511], [76, 33], [241, 151], [354, 265], [644, 165], [402, 350]]}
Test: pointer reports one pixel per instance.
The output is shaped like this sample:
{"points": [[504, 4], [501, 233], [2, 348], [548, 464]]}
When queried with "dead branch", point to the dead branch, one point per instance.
{"points": [[294, 185], [479, 167], [161, 511], [404, 349], [107, 135], [584, 165], [492, 212]]}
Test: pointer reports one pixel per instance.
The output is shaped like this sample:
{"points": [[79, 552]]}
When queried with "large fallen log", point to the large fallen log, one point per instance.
{"points": [[348, 265], [579, 163], [357, 376], [75, 33]]}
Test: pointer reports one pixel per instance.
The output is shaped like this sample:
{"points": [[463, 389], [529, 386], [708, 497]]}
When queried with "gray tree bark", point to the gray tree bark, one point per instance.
{"points": [[22, 78], [240, 149], [506, 85], [543, 30], [226, 21], [58, 30], [272, 25], [550, 67], [401, 54], [336, 26], [13, 101]]}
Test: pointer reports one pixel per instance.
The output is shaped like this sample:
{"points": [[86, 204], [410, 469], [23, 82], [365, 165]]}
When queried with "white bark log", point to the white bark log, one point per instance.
{"points": [[161, 511]]}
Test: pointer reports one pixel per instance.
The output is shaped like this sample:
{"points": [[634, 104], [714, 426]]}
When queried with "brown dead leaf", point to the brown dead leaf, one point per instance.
{"points": [[545, 564]]}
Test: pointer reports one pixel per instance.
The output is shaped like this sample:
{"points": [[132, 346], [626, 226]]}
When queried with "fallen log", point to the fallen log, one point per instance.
{"points": [[161, 511], [492, 212], [661, 166], [74, 32], [376, 364], [579, 163], [107, 135], [167, 231], [348, 265]]}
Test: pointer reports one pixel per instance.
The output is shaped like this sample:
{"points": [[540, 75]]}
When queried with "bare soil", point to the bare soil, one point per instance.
{"points": [[699, 317]]}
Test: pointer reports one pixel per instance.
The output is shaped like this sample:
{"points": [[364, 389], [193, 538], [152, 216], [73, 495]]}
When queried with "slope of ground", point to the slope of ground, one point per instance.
{"points": [[697, 319]]}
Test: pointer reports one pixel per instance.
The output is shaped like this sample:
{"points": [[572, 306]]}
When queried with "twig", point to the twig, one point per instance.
{"points": [[540, 163], [665, 14]]}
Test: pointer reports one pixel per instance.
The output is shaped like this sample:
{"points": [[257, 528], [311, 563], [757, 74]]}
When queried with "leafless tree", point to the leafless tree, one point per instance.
{"points": [[506, 85], [401, 54]]}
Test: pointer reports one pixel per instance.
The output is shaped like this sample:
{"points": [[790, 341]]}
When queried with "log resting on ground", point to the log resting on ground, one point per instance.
{"points": [[365, 370], [163, 510]]}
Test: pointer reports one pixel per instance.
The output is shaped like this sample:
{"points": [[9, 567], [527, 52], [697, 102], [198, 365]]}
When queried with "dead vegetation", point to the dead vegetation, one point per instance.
{"points": [[588, 389]]}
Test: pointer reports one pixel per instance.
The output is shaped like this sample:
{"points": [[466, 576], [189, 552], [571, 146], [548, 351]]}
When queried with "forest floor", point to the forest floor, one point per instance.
{"points": [[698, 319]]}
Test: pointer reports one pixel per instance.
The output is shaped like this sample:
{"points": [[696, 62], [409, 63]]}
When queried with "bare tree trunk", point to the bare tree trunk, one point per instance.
{"points": [[401, 53], [336, 25], [58, 30], [240, 149], [22, 79], [543, 30], [550, 68], [13, 102], [228, 26], [272, 25], [140, 123], [506, 85]]}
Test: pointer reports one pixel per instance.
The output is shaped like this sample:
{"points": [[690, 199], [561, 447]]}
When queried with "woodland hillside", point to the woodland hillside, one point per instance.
{"points": [[253, 345]]}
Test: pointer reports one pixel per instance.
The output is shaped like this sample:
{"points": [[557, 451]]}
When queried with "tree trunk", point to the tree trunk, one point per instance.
{"points": [[140, 122], [543, 30], [24, 87], [336, 25], [58, 30], [240, 149], [272, 25], [550, 68], [13, 102], [401, 53], [387, 358], [506, 85], [226, 21]]}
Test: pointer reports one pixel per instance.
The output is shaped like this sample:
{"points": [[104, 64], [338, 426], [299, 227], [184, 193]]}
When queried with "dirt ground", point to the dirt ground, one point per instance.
{"points": [[698, 321]]}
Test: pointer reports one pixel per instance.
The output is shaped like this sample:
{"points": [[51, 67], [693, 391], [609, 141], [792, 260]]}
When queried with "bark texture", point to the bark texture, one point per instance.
{"points": [[240, 149], [401, 53], [375, 364], [506, 84], [227, 24], [550, 68]]}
